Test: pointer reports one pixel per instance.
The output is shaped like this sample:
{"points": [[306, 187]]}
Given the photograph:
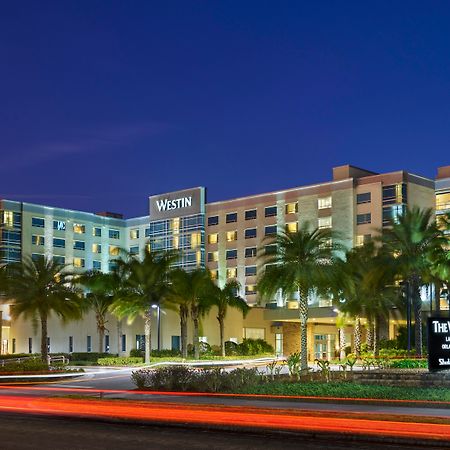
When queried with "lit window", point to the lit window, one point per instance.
{"points": [[114, 234], [213, 220], [250, 252], [324, 202], [37, 240], [113, 250], [96, 248], [270, 211], [362, 219], [214, 274], [196, 240], [443, 201], [8, 218], [213, 256], [231, 217], [362, 239], [60, 243], [213, 238], [78, 262], [134, 234], [250, 289], [250, 233], [291, 208], [231, 254], [96, 231], [231, 272], [325, 222], [231, 235], [78, 245], [36, 222], [250, 214], [79, 228], [97, 265], [292, 227], [250, 271]]}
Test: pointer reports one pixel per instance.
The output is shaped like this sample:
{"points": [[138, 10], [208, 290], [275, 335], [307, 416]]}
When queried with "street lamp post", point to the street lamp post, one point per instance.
{"points": [[408, 316]]}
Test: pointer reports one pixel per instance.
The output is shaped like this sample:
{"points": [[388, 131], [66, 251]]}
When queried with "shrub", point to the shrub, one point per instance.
{"points": [[409, 364], [231, 348], [88, 356], [166, 353], [250, 347], [29, 365], [119, 361], [137, 353]]}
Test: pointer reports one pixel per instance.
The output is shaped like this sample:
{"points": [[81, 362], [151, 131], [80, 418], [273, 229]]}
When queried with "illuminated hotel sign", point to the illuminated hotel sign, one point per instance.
{"points": [[438, 343], [175, 204]]}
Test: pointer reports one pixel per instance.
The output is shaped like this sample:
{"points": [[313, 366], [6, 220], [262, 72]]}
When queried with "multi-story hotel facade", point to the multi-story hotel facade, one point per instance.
{"points": [[226, 237]]}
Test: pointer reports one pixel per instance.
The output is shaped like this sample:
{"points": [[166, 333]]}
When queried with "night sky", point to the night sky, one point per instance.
{"points": [[103, 103]]}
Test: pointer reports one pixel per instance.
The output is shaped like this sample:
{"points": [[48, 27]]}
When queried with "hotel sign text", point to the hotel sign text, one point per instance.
{"points": [[438, 343]]}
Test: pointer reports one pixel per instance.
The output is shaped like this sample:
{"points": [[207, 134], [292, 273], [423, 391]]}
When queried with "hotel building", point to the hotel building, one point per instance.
{"points": [[223, 236]]}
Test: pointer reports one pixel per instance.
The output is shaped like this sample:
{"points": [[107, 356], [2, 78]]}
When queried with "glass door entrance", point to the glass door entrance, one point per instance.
{"points": [[324, 346]]}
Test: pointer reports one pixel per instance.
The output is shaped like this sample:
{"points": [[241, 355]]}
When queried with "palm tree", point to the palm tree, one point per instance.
{"points": [[411, 239], [228, 297], [192, 293], [302, 263], [146, 283], [40, 288]]}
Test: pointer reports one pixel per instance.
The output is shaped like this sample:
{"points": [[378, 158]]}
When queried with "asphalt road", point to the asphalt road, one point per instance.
{"points": [[33, 432]]}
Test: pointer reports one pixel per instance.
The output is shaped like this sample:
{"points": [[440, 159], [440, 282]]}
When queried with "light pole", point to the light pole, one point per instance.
{"points": [[158, 322]]}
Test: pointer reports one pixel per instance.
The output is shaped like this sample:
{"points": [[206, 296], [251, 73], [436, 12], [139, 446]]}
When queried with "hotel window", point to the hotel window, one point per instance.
{"points": [[231, 217], [97, 265], [79, 228], [124, 343], [96, 231], [59, 225], [270, 249], [270, 211], [37, 222], [78, 263], [362, 219], [89, 343], [395, 193], [59, 259], [443, 201], [324, 202], [214, 274], [134, 234], [362, 239], [254, 333], [213, 256], [96, 248], [113, 250], [231, 272], [231, 235], [30, 345], [363, 198], [134, 250], [7, 218], [78, 245], [213, 220], [70, 344], [250, 289], [291, 208], [292, 227], [392, 213], [325, 222], [36, 256], [114, 234], [250, 271], [250, 214], [250, 252], [37, 240], [250, 233], [231, 254], [59, 243], [112, 265], [147, 232], [270, 230], [213, 238], [196, 240]]}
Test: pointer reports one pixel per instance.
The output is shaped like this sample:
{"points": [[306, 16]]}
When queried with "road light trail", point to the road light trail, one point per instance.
{"points": [[224, 416]]}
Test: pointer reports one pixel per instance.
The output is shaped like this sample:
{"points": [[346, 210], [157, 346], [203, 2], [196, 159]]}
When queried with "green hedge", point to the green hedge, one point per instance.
{"points": [[88, 356], [119, 361], [29, 365], [409, 364]]}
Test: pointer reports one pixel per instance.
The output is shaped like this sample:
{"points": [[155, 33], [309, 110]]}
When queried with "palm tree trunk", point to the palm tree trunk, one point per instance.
{"points": [[303, 315], [221, 332], [357, 336], [44, 338], [101, 333], [195, 320], [437, 296], [417, 305], [376, 335], [148, 335], [369, 335], [119, 337], [342, 343], [183, 330]]}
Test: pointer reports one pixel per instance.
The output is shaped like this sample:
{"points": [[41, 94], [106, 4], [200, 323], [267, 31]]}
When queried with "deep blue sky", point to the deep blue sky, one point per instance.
{"points": [[103, 103]]}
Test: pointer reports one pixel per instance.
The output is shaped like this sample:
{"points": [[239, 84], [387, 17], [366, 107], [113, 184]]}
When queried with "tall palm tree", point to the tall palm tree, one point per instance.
{"points": [[191, 292], [39, 289], [302, 263], [412, 238], [146, 284], [224, 298]]}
